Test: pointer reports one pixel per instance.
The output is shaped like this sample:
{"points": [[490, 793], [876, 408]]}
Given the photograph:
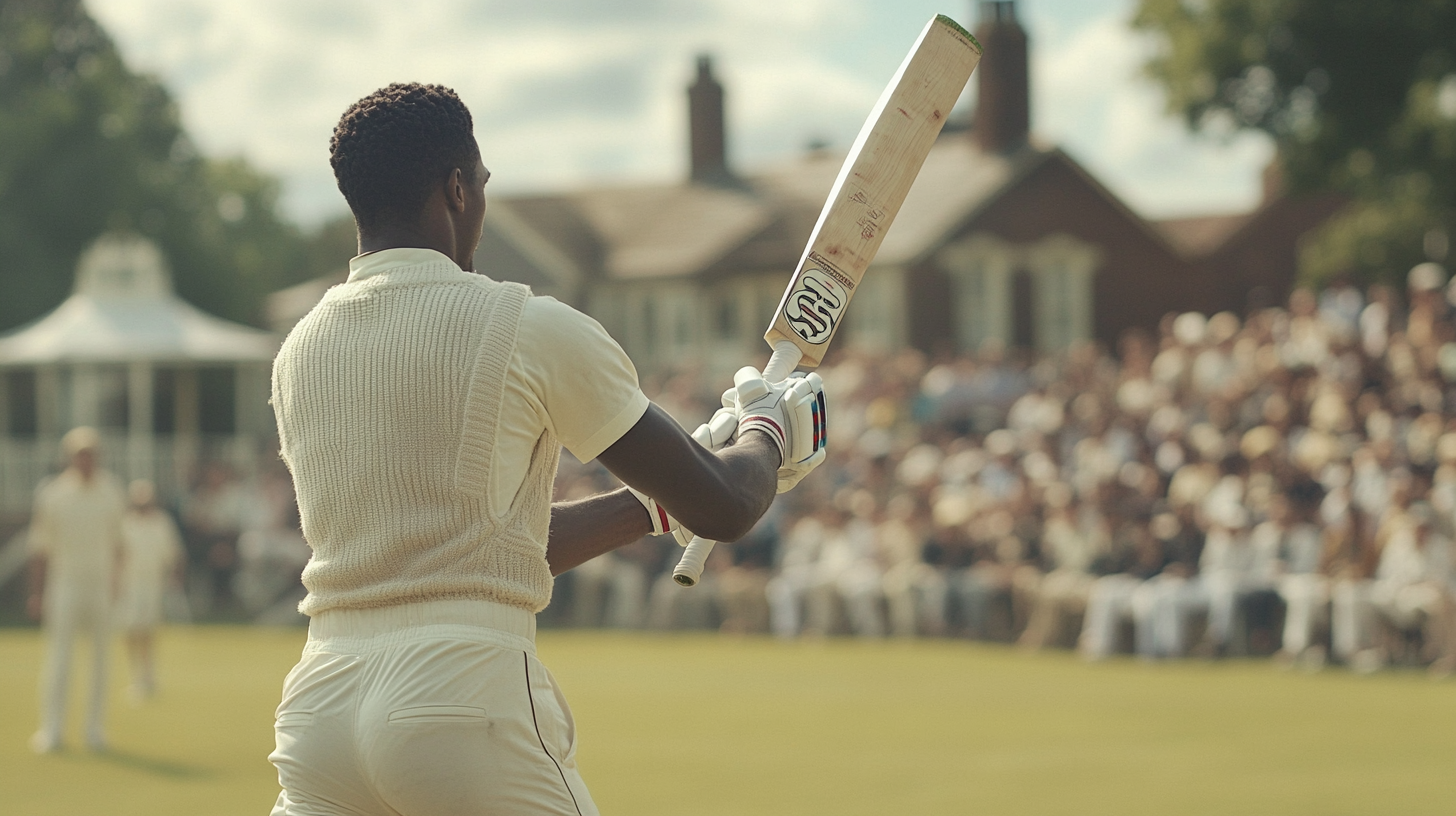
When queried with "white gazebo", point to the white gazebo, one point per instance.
{"points": [[167, 384]]}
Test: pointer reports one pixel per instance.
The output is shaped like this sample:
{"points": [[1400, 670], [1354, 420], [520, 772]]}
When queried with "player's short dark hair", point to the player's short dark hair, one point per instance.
{"points": [[391, 147]]}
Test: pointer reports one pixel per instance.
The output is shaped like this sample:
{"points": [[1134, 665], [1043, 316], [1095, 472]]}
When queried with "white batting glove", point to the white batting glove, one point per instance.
{"points": [[662, 521], [789, 475], [792, 414], [723, 427]]}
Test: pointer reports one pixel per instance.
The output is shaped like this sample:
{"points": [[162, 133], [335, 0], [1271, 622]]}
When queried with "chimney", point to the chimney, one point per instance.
{"points": [[1002, 119], [706, 128], [1273, 182]]}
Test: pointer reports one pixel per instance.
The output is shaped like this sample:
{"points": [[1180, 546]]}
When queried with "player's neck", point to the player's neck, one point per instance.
{"points": [[434, 229], [404, 238]]}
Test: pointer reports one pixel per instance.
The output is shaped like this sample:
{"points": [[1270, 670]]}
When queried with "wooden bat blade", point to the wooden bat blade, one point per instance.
{"points": [[872, 184]]}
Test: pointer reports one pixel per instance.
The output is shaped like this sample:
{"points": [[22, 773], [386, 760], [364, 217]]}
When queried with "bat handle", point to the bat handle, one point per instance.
{"points": [[786, 356], [689, 569]]}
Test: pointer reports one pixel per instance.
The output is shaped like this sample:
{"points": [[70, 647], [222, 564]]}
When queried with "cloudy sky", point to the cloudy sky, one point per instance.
{"points": [[573, 92]]}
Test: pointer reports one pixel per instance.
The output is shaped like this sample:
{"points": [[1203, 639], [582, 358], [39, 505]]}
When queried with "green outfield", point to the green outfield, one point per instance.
{"points": [[711, 725]]}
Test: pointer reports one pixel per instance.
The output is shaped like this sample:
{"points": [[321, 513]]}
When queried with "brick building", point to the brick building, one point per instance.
{"points": [[1002, 239]]}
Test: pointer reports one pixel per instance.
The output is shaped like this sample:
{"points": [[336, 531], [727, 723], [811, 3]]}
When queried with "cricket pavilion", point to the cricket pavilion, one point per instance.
{"points": [[167, 385], [1003, 240]]}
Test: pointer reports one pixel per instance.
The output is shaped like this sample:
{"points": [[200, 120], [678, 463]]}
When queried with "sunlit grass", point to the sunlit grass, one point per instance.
{"points": [[707, 725]]}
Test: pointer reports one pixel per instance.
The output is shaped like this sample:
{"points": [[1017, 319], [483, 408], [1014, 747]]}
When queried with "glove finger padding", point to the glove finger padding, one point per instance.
{"points": [[792, 413], [718, 431], [791, 475]]}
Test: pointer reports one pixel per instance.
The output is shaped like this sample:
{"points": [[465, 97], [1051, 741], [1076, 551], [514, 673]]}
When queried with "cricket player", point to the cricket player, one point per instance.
{"points": [[76, 545], [152, 559], [421, 409]]}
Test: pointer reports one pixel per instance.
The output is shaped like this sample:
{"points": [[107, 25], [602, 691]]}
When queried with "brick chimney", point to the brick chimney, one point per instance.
{"points": [[706, 138], [1002, 120]]}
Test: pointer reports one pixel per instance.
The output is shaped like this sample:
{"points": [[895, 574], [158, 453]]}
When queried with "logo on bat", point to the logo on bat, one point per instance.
{"points": [[813, 308]]}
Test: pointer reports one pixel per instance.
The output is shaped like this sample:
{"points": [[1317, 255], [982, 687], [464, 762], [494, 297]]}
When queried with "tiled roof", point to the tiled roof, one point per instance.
{"points": [[1198, 236], [684, 230]]}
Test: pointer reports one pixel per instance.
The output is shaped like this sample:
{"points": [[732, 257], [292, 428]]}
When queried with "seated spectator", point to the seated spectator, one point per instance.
{"points": [[1134, 557], [915, 591], [1303, 585], [1162, 604], [851, 569], [1232, 566], [1063, 591], [798, 571], [1412, 591]]}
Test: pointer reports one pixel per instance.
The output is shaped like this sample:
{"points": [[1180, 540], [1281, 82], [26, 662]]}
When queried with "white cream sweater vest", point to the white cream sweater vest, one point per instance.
{"points": [[388, 396]]}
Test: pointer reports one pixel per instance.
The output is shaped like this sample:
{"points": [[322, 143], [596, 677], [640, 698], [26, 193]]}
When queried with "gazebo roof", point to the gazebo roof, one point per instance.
{"points": [[123, 310]]}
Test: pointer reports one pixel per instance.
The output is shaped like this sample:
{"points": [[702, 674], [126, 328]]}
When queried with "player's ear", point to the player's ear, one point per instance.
{"points": [[455, 190]]}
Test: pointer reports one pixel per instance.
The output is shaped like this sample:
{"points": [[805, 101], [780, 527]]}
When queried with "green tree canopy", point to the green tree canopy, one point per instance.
{"points": [[1358, 95], [87, 146]]}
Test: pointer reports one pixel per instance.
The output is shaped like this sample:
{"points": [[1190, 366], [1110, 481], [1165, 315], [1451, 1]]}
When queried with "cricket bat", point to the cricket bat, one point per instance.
{"points": [[872, 184]]}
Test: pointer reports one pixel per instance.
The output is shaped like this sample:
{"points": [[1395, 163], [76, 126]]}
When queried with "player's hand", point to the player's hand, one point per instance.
{"points": [[791, 413]]}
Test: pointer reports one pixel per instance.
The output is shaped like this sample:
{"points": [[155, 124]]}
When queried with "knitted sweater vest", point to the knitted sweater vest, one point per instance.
{"points": [[388, 397]]}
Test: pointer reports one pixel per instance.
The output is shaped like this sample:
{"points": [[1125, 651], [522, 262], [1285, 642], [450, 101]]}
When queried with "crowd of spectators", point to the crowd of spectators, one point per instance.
{"points": [[243, 550], [1278, 483]]}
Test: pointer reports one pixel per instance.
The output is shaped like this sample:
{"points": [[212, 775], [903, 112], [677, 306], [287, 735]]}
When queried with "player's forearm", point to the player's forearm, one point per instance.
{"points": [[582, 530], [716, 495], [744, 477]]}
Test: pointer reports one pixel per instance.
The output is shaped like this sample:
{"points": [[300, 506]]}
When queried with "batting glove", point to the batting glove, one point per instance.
{"points": [[662, 521], [792, 414]]}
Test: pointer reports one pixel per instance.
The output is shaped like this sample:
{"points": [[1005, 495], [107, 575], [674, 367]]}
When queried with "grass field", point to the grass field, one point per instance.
{"points": [[710, 725]]}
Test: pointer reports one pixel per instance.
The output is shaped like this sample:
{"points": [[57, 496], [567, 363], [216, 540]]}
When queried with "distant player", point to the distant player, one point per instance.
{"points": [[75, 541], [421, 409], [151, 559]]}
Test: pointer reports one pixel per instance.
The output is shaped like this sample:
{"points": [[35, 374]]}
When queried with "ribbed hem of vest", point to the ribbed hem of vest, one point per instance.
{"points": [[388, 620]]}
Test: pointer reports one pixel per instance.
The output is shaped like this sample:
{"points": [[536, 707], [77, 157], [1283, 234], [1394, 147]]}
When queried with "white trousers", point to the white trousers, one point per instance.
{"points": [[787, 594], [426, 709], [915, 594], [71, 611], [1351, 617], [1161, 608], [1306, 601], [1108, 604]]}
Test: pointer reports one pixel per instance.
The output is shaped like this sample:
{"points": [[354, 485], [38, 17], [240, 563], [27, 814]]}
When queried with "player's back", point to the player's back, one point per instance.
{"points": [[387, 396]]}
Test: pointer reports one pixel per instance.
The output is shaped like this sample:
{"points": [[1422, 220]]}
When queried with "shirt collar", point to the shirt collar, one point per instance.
{"points": [[374, 263]]}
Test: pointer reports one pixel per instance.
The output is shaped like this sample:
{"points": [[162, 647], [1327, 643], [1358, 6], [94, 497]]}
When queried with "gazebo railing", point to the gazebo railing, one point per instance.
{"points": [[171, 462]]}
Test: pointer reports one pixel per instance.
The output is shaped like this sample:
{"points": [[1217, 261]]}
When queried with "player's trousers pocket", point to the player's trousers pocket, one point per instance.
{"points": [[554, 722]]}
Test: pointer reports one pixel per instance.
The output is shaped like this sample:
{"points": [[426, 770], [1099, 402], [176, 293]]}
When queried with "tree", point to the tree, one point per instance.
{"points": [[88, 146], [1358, 96]]}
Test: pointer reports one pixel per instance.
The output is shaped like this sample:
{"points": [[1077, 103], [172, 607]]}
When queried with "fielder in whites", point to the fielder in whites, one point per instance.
{"points": [[421, 408], [76, 546]]}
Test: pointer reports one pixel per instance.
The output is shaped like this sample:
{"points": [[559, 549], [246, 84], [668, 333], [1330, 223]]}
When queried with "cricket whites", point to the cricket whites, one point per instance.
{"points": [[872, 184]]}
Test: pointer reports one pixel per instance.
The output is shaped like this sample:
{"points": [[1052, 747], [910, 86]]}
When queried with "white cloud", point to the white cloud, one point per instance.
{"points": [[563, 92], [1092, 99], [569, 92]]}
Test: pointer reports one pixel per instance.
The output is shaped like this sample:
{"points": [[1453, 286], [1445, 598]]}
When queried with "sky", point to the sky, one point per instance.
{"points": [[572, 93]]}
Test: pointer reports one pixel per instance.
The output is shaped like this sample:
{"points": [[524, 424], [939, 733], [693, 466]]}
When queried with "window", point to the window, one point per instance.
{"points": [[20, 404], [725, 317], [216, 402]]}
